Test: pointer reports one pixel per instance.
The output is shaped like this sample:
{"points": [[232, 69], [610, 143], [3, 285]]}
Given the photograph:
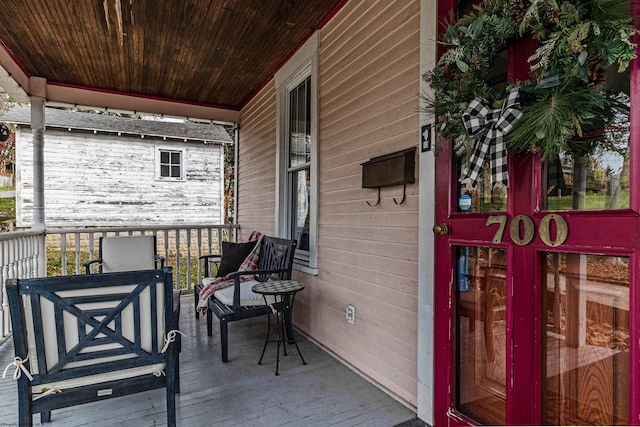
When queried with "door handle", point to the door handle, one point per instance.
{"points": [[441, 229]]}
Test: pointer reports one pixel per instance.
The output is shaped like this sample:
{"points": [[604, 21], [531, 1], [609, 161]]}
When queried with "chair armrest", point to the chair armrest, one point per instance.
{"points": [[159, 259], [236, 275], [87, 265], [210, 256], [176, 304], [207, 259]]}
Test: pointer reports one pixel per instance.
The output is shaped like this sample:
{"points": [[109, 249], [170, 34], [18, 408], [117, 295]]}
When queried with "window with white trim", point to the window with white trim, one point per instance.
{"points": [[297, 153], [170, 164]]}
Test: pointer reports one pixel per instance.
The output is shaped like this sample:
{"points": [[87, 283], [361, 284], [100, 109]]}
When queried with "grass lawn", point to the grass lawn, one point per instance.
{"points": [[54, 265], [7, 206], [592, 202]]}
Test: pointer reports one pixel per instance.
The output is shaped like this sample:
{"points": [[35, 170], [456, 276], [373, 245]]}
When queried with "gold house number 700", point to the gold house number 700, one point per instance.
{"points": [[522, 229]]}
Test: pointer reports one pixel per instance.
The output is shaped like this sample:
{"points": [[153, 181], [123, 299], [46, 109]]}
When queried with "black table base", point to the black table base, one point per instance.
{"points": [[286, 291]]}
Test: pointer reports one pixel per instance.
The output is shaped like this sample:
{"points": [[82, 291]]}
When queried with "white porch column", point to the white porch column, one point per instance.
{"points": [[428, 22], [37, 127]]}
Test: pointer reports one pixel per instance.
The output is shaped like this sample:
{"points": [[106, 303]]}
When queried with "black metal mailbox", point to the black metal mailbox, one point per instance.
{"points": [[391, 169]]}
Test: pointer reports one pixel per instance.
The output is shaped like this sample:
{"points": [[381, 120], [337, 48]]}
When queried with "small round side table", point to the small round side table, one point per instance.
{"points": [[283, 292]]}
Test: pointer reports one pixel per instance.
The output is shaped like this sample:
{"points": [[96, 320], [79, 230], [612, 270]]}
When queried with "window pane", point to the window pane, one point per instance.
{"points": [[585, 340], [175, 171], [300, 124], [293, 123], [300, 204], [175, 157], [480, 371], [164, 170], [164, 157], [595, 175]]}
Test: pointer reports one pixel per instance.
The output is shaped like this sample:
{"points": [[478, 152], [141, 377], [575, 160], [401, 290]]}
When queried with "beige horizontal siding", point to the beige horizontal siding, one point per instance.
{"points": [[256, 164], [367, 256]]}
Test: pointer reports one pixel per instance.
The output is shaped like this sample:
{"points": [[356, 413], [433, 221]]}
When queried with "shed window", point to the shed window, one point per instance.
{"points": [[170, 164]]}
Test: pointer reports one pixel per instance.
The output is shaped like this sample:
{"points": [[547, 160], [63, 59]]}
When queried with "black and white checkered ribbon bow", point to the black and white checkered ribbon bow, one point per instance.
{"points": [[490, 125]]}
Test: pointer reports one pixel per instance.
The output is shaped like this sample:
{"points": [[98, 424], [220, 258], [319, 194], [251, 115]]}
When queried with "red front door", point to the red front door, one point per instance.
{"points": [[536, 284]]}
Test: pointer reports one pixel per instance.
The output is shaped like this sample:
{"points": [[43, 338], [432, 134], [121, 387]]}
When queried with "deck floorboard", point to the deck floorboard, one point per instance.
{"points": [[239, 393]]}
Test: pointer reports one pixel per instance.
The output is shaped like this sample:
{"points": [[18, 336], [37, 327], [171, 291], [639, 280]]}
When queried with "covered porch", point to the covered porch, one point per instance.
{"points": [[325, 392], [237, 62]]}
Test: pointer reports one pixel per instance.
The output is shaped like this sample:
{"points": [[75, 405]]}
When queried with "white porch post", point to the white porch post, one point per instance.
{"points": [[426, 214], [37, 127]]}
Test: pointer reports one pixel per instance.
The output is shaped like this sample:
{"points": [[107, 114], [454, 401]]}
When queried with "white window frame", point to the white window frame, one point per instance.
{"points": [[303, 64], [159, 150]]}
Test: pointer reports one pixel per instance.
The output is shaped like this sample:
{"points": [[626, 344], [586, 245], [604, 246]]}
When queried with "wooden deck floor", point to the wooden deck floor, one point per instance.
{"points": [[238, 393]]}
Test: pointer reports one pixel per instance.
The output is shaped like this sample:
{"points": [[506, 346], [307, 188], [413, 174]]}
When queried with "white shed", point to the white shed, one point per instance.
{"points": [[104, 170]]}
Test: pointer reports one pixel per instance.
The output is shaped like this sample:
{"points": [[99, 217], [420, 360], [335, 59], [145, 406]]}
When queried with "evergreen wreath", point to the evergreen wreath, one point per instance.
{"points": [[577, 41]]}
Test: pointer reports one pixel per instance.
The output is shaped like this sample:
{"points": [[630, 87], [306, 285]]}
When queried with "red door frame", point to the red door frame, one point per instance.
{"points": [[608, 232]]}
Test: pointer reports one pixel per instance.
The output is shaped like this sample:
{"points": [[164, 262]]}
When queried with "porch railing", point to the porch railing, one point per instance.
{"points": [[19, 257], [67, 249]]}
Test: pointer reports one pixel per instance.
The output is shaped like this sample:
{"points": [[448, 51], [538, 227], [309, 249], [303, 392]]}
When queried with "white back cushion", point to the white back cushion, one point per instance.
{"points": [[71, 335], [126, 253]]}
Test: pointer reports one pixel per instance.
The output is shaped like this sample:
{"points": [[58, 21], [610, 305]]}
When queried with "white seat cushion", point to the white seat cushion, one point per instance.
{"points": [[247, 296], [102, 378]]}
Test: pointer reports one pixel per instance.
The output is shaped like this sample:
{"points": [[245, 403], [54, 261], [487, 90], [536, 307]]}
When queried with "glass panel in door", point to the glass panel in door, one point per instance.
{"points": [[480, 366], [585, 339], [594, 173]]}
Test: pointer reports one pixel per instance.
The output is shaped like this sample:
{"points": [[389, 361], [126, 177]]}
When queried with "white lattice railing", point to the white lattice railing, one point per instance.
{"points": [[67, 249]]}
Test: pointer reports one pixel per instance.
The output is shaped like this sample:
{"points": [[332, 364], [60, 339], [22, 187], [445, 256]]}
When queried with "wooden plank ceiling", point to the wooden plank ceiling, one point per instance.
{"points": [[210, 52]]}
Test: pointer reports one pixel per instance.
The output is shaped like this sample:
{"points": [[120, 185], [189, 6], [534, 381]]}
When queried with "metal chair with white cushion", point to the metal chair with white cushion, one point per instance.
{"points": [[126, 253]]}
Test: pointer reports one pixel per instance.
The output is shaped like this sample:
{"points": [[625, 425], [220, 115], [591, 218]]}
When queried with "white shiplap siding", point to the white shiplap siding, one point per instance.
{"points": [[367, 256], [102, 179]]}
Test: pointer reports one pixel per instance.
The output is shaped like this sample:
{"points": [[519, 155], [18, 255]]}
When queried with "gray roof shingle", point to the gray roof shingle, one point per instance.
{"points": [[67, 119]]}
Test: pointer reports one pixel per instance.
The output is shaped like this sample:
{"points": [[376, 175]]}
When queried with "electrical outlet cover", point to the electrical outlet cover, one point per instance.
{"points": [[351, 314]]}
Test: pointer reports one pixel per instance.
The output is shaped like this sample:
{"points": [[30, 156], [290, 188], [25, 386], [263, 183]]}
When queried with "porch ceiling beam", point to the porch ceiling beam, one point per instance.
{"points": [[77, 96]]}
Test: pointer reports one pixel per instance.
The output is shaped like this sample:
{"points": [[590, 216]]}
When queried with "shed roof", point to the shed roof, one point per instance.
{"points": [[67, 119]]}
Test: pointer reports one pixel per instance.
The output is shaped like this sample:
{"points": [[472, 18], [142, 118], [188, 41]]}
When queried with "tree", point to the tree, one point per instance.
{"points": [[229, 177], [7, 147]]}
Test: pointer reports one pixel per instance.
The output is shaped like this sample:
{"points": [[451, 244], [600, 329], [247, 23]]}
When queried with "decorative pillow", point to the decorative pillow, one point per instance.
{"points": [[233, 254]]}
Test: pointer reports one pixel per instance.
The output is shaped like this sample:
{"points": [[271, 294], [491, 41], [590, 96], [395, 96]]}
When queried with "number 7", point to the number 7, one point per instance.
{"points": [[497, 219]]}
